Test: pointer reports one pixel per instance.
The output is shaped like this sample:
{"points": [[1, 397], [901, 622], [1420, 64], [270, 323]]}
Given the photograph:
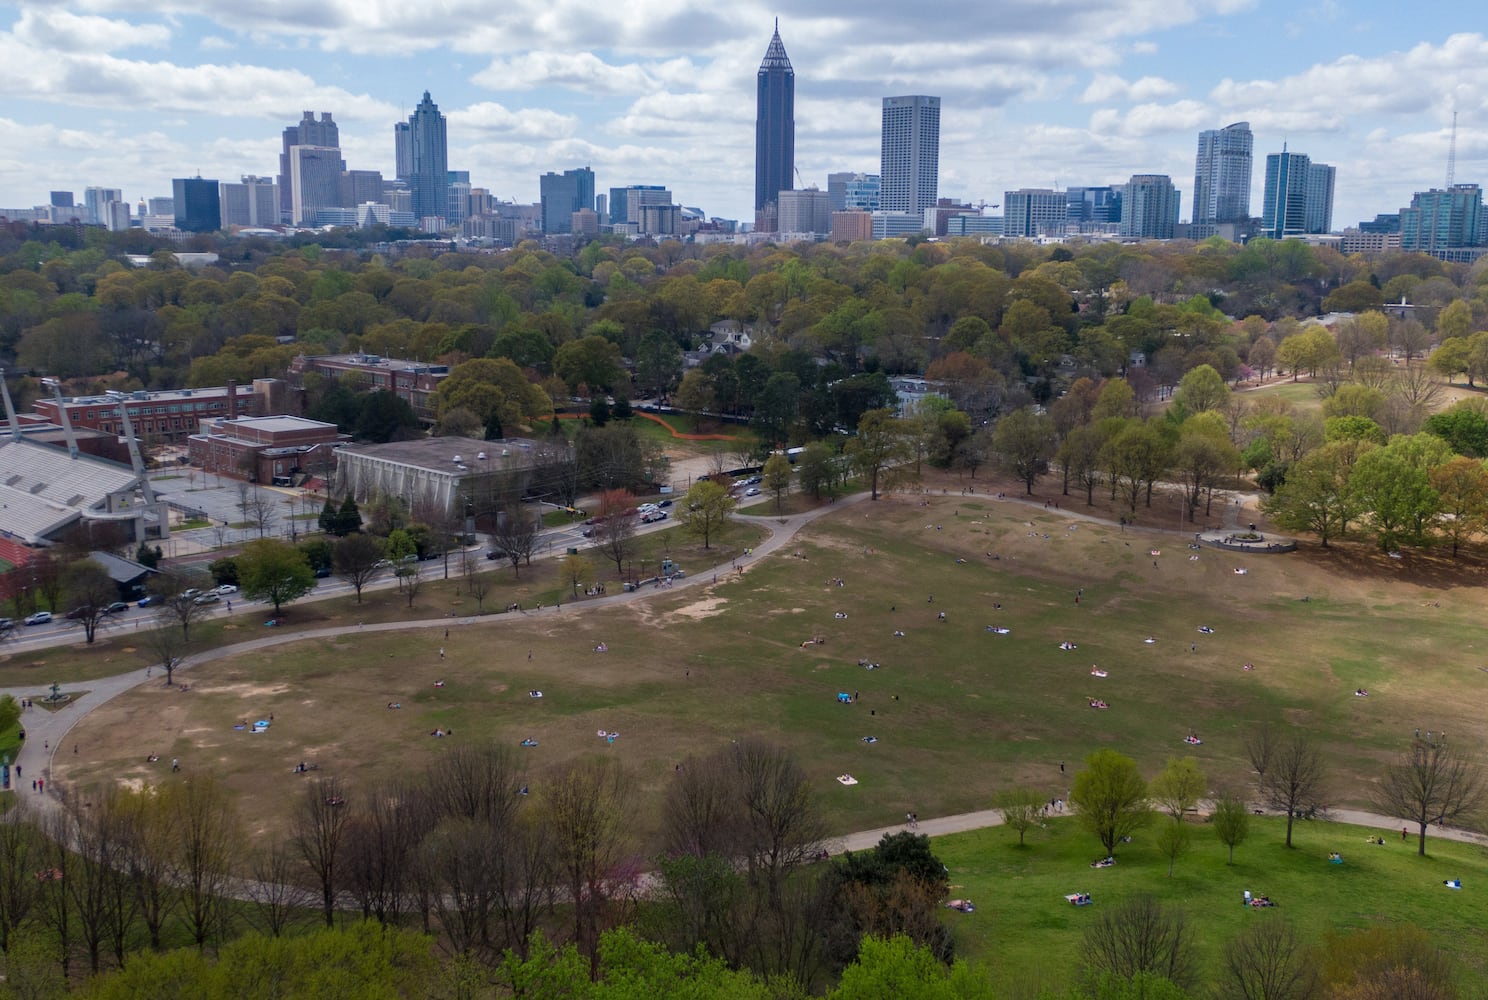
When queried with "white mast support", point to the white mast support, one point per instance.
{"points": [[56, 387], [10, 413], [135, 459]]}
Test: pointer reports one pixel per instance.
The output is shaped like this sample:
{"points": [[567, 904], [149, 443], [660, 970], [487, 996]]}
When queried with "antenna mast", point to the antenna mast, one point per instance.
{"points": [[1452, 154]]}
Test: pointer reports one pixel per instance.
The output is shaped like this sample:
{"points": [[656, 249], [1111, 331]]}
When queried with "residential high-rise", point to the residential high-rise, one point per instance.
{"points": [[910, 154], [306, 132], [1299, 196], [1149, 207], [1031, 212], [198, 204], [1320, 177], [1221, 190], [1439, 219], [774, 124], [563, 195], [315, 174], [430, 176]]}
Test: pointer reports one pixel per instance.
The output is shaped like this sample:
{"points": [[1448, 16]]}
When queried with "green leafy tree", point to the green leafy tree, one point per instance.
{"points": [[705, 510], [1172, 841], [815, 469], [897, 967], [1316, 496], [274, 571], [658, 363], [1179, 787], [1394, 497], [881, 445], [1462, 499], [1202, 389], [588, 361], [1111, 797], [1231, 819], [89, 591], [777, 476], [1023, 442], [493, 388], [1465, 428]]}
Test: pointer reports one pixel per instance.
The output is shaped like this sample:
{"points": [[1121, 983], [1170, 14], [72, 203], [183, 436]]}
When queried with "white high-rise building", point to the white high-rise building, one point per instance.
{"points": [[315, 179], [1222, 174], [805, 211], [96, 200], [1149, 207], [910, 154]]}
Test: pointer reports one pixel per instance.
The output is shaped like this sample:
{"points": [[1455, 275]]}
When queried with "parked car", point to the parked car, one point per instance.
{"points": [[38, 618], [145, 602], [207, 598], [6, 624], [754, 479], [225, 588], [496, 554], [322, 572], [665, 503], [77, 614], [753, 491], [655, 515], [117, 608], [190, 592]]}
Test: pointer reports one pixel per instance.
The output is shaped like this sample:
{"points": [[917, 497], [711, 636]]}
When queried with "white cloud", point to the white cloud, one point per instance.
{"points": [[532, 123], [1105, 88], [216, 43], [581, 71], [1152, 119], [64, 31]]}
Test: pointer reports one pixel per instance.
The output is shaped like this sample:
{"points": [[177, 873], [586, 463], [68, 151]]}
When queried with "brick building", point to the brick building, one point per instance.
{"points": [[279, 450], [160, 416], [413, 381]]}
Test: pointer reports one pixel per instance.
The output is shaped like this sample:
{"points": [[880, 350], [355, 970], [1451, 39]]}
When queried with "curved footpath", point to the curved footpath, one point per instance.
{"points": [[46, 732]]}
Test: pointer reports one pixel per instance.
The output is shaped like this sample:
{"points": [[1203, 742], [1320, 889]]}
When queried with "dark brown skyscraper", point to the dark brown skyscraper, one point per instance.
{"points": [[775, 125]]}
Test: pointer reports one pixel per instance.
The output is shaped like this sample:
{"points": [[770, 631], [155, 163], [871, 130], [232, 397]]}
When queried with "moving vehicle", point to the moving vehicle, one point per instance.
{"points": [[6, 624], [653, 515], [118, 607], [145, 602], [225, 588], [190, 592], [753, 491], [38, 618], [208, 598]]}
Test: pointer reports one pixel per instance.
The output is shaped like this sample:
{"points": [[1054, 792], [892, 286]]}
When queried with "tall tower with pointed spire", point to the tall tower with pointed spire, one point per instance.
{"points": [[774, 125]]}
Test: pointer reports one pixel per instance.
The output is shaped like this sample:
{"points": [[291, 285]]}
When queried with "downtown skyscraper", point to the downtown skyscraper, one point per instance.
{"points": [[774, 125], [1299, 196], [1221, 190], [428, 142], [324, 133], [910, 154]]}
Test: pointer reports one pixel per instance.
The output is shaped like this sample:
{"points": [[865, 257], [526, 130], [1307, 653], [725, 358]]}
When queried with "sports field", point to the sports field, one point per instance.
{"points": [[957, 712]]}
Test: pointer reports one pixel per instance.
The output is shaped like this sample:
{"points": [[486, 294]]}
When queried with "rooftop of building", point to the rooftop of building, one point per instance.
{"points": [[146, 396], [280, 424], [371, 361], [447, 455], [43, 487]]}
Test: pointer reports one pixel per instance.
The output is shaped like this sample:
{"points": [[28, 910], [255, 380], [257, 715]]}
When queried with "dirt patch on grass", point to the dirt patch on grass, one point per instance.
{"points": [[246, 690], [699, 610]]}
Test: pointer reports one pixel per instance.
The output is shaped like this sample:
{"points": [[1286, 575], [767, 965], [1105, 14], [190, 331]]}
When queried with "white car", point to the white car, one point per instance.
{"points": [[208, 598], [226, 588], [39, 618], [753, 491]]}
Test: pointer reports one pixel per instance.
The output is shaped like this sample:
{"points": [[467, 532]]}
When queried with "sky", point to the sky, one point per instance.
{"points": [[1035, 93]]}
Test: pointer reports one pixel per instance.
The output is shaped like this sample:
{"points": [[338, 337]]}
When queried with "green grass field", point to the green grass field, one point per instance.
{"points": [[958, 711], [1024, 928]]}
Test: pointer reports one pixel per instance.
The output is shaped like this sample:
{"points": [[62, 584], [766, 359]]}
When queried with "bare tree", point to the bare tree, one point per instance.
{"points": [[1432, 782], [258, 508], [410, 579], [379, 853], [1139, 934], [1021, 810], [276, 895], [615, 529], [59, 862], [96, 885], [150, 846], [1269, 960], [20, 855], [477, 584], [782, 826], [358, 558], [318, 828], [174, 593], [90, 590], [1289, 772], [516, 534], [205, 847], [587, 810], [46, 578], [164, 645]]}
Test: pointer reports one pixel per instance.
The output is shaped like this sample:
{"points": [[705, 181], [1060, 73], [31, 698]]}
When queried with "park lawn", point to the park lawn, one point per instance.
{"points": [[1025, 931], [959, 713]]}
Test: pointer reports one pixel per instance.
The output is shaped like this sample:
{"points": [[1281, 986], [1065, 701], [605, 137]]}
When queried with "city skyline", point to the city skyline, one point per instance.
{"points": [[128, 95]]}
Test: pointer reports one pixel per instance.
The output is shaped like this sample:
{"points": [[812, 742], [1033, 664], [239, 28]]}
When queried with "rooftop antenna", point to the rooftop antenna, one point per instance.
{"points": [[1452, 154]]}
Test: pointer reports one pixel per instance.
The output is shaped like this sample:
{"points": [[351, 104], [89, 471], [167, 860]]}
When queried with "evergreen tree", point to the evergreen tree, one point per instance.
{"points": [[329, 522], [349, 518]]}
